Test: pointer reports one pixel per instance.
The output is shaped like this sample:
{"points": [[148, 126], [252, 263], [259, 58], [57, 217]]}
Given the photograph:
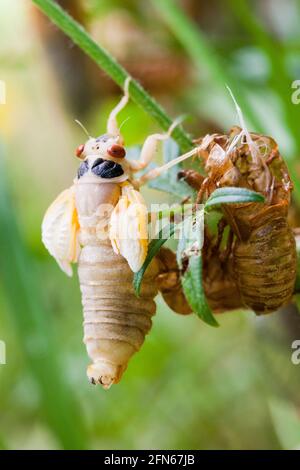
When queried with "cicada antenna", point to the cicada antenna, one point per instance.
{"points": [[83, 128], [124, 122], [179, 120], [253, 147]]}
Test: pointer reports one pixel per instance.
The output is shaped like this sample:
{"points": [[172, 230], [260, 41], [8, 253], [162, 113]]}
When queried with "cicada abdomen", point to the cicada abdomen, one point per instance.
{"points": [[265, 263], [115, 320]]}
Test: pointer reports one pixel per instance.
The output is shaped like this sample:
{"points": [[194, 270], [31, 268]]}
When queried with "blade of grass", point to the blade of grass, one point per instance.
{"points": [[32, 320], [203, 55], [109, 64]]}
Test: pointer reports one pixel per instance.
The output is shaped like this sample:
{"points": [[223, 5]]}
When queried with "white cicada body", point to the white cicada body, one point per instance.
{"points": [[115, 320], [101, 223], [93, 214]]}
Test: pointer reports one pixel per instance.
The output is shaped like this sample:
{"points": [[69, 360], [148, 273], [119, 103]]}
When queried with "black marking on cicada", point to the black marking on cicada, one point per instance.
{"points": [[107, 168], [84, 168]]}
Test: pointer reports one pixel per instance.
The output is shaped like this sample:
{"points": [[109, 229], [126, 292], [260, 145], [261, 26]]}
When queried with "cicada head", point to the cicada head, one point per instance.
{"points": [[106, 146], [103, 156]]}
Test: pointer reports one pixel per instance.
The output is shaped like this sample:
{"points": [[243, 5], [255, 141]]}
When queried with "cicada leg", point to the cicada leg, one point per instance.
{"points": [[192, 178], [222, 224], [202, 190], [228, 250], [149, 148], [112, 125], [152, 174]]}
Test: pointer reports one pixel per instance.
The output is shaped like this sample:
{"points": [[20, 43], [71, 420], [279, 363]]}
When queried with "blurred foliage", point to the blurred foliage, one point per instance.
{"points": [[191, 386], [24, 295], [287, 424]]}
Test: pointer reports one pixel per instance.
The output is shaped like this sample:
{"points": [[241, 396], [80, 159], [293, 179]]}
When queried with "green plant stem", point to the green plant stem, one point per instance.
{"points": [[107, 63], [203, 55]]}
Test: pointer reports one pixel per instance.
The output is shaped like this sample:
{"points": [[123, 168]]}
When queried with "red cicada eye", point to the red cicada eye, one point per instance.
{"points": [[116, 151], [79, 151]]}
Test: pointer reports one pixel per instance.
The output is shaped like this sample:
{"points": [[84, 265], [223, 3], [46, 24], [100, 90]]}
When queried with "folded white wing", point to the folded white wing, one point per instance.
{"points": [[128, 227], [59, 230]]}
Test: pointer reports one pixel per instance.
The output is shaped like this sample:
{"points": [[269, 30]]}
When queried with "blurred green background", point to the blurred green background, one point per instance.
{"points": [[191, 386]]}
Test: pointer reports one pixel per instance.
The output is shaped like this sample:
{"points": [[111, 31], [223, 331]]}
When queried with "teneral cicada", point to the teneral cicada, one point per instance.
{"points": [[260, 257], [100, 222]]}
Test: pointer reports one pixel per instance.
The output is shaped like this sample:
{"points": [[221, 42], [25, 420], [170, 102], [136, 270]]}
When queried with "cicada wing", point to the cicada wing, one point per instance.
{"points": [[60, 230], [128, 227]]}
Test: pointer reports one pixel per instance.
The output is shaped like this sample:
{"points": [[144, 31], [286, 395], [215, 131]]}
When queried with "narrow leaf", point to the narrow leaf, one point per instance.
{"points": [[189, 251], [153, 249], [193, 289], [232, 195]]}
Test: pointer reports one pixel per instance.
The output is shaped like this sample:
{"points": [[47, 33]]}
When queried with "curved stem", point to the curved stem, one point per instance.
{"points": [[109, 64]]}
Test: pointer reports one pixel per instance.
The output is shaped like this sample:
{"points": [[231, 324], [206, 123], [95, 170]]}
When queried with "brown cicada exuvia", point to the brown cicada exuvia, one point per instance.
{"points": [[258, 265]]}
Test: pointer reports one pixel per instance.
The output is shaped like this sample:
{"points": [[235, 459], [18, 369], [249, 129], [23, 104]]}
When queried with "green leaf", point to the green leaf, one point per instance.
{"points": [[153, 249], [232, 195], [167, 181], [193, 289], [189, 251]]}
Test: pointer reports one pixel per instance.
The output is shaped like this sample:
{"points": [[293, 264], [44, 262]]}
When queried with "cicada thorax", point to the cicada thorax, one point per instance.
{"points": [[264, 252], [115, 320]]}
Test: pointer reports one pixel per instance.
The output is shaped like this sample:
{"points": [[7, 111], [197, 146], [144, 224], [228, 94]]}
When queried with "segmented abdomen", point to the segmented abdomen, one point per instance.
{"points": [[115, 320], [265, 266]]}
